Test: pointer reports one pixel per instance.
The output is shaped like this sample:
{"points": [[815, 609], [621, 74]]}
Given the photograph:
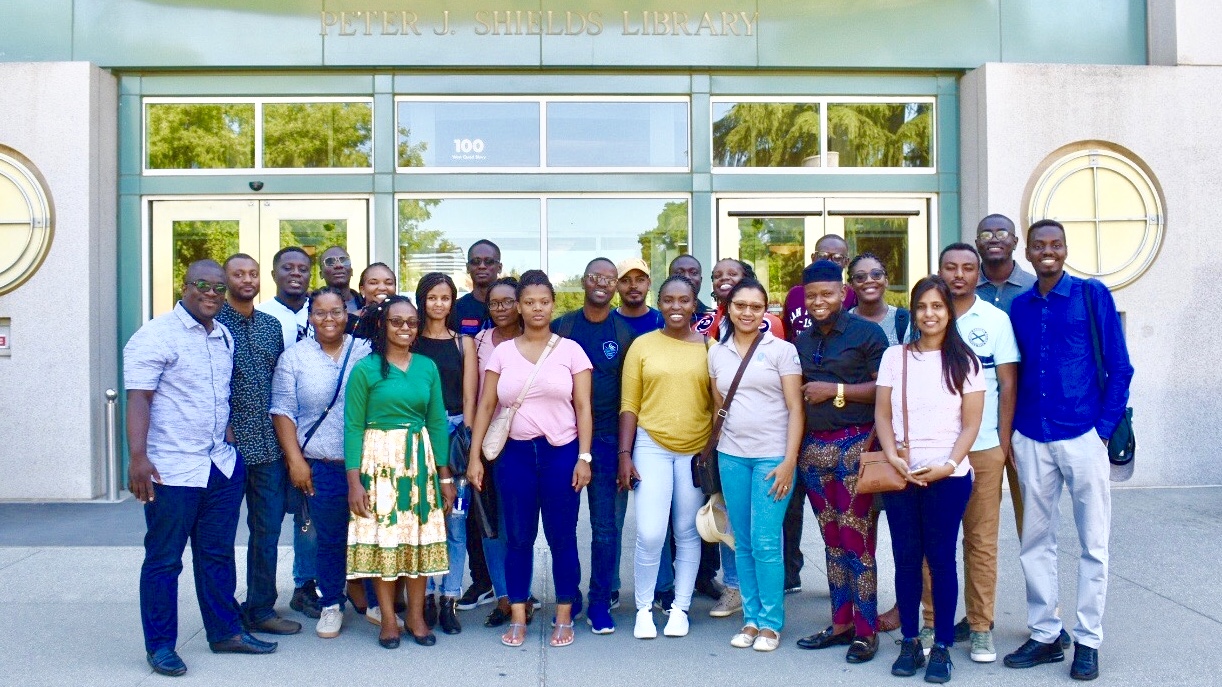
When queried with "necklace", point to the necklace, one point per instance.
{"points": [[334, 356]]}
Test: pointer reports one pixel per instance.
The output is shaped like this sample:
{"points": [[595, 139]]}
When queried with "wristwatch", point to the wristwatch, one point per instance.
{"points": [[585, 457], [839, 400]]}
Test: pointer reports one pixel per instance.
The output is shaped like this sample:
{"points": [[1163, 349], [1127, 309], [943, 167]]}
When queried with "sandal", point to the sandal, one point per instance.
{"points": [[765, 643], [558, 634], [513, 637], [745, 637]]}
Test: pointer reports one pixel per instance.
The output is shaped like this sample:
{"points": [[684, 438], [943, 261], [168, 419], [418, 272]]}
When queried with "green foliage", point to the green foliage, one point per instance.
{"points": [[880, 134], [201, 240], [774, 248], [667, 240], [201, 136], [766, 135], [309, 135], [416, 241], [315, 236]]}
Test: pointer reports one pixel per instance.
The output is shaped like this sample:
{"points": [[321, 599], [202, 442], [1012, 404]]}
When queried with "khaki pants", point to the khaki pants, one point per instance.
{"points": [[980, 525]]}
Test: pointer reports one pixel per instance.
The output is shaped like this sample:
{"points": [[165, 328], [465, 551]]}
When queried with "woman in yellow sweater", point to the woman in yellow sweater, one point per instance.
{"points": [[665, 417]]}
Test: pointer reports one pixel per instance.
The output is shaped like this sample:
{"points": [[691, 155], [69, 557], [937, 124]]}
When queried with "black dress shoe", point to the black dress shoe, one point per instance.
{"points": [[448, 616], [426, 639], [826, 638], [1066, 642], [389, 642], [242, 644], [963, 632], [497, 617], [275, 625], [1033, 653], [167, 662], [1085, 663], [709, 588], [430, 611], [862, 649]]}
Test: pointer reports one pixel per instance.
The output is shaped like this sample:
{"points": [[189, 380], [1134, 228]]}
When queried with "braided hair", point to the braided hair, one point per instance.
{"points": [[373, 327]]}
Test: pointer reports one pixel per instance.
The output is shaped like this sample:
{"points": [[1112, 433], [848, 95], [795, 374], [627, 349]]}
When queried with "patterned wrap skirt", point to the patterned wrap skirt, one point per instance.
{"points": [[399, 472]]}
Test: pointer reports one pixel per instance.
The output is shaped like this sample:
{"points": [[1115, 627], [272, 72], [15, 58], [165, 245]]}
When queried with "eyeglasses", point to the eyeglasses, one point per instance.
{"points": [[755, 308], [862, 277], [483, 262], [205, 286], [600, 280], [336, 314], [337, 261], [834, 257], [398, 322], [994, 235], [501, 305]]}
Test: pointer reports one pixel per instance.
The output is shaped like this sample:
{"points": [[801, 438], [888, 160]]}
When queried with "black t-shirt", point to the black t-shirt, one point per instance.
{"points": [[849, 354], [445, 354], [472, 315], [605, 343]]}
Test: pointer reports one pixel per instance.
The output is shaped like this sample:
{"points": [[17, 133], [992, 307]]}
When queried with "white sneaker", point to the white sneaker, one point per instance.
{"points": [[677, 625], [645, 629], [330, 620], [731, 602], [374, 615]]}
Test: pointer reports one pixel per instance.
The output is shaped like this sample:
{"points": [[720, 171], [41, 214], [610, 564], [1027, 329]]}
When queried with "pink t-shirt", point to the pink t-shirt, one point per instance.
{"points": [[547, 410], [936, 413]]}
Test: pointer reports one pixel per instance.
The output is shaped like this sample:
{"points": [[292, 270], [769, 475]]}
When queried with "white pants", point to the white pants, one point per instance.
{"points": [[666, 492], [1081, 464]]}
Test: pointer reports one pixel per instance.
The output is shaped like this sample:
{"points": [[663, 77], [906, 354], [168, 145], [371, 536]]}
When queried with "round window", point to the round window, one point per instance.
{"points": [[1111, 208], [25, 220]]}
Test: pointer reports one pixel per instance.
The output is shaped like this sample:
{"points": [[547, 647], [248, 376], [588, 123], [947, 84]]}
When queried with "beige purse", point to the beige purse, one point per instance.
{"points": [[498, 429], [876, 474]]}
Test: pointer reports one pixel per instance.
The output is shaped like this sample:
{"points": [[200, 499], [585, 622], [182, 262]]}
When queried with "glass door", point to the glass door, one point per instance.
{"points": [[777, 236], [184, 231]]}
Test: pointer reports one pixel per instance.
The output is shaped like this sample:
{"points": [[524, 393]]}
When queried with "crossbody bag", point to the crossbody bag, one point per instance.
{"points": [[706, 473], [498, 429], [876, 474]]}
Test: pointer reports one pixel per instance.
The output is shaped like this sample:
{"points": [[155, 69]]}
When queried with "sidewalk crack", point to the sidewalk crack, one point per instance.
{"points": [[30, 555], [1167, 598]]}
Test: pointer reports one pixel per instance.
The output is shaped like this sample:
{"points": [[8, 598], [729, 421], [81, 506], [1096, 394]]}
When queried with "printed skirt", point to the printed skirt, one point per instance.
{"points": [[407, 534]]}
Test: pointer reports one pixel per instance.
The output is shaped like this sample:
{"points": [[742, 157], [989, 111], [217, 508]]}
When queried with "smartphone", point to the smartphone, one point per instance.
{"points": [[636, 482], [920, 471]]}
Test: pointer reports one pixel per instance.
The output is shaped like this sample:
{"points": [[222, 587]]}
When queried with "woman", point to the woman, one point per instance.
{"points": [[945, 401], [506, 326], [546, 461], [757, 459], [399, 483], [726, 273], [377, 283], [665, 417], [307, 411], [868, 279], [454, 356]]}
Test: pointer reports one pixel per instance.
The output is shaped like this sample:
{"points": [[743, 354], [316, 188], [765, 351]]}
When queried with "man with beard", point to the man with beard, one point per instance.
{"points": [[634, 284], [336, 268], [484, 267], [176, 370], [258, 342], [1001, 278], [605, 336]]}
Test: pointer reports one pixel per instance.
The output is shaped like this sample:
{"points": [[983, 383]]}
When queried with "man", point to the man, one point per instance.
{"points": [[634, 284], [840, 354], [605, 336], [796, 320], [258, 341], [1061, 427], [291, 268], [336, 268], [688, 266], [987, 331], [484, 267], [176, 370], [1001, 278]]}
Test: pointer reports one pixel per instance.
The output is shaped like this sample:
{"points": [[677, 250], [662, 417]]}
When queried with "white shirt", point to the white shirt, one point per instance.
{"points": [[294, 324], [987, 330]]}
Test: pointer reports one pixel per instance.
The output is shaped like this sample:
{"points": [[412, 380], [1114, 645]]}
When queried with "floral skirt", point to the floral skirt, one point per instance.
{"points": [[395, 542]]}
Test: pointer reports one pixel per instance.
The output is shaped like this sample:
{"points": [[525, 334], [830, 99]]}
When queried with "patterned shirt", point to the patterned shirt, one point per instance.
{"points": [[303, 386], [257, 345], [188, 370]]}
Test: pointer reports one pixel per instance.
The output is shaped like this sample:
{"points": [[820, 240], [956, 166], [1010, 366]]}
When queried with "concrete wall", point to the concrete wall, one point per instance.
{"points": [[1014, 116], [62, 117], [1184, 32]]}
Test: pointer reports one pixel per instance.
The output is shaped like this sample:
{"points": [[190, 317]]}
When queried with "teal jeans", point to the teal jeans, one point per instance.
{"points": [[757, 521]]}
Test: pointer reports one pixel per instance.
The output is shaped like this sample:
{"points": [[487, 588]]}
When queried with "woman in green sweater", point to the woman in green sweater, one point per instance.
{"points": [[396, 450]]}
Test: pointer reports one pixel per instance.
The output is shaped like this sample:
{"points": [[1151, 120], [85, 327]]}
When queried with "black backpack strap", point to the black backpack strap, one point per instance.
{"points": [[564, 326], [902, 319], [624, 334]]}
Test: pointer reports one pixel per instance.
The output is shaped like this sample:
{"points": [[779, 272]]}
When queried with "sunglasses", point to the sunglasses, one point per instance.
{"points": [[600, 280], [862, 277], [205, 286], [337, 261], [483, 262], [755, 308], [994, 235], [398, 322]]}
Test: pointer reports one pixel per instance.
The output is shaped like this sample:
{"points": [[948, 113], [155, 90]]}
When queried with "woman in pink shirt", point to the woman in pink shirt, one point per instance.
{"points": [[944, 403], [546, 461]]}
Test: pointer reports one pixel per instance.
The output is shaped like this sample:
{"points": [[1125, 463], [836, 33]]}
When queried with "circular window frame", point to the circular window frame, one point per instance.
{"points": [[1068, 160], [32, 188]]}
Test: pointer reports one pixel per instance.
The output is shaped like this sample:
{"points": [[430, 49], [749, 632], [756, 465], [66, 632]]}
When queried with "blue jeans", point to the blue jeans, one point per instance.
{"points": [[209, 518], [607, 508], [305, 543], [456, 539], [757, 521], [924, 524], [329, 515], [267, 486], [535, 478]]}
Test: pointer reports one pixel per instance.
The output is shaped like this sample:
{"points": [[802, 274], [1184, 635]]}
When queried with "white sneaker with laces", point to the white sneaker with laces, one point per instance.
{"points": [[677, 626], [330, 620], [645, 629]]}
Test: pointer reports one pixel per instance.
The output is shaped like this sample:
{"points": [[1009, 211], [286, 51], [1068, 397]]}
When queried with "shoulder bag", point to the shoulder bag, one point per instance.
{"points": [[705, 470], [498, 429], [876, 474], [1122, 447]]}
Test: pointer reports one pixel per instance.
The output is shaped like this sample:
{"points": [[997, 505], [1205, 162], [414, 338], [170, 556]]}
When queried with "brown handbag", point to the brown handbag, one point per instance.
{"points": [[876, 474]]}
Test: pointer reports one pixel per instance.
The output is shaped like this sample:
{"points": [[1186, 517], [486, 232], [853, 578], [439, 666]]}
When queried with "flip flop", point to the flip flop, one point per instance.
{"points": [[560, 628], [511, 638]]}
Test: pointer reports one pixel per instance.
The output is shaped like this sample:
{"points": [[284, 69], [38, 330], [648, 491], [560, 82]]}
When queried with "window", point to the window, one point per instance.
{"points": [[880, 134], [434, 234], [763, 134], [25, 220], [1111, 208], [315, 135], [617, 134], [468, 134]]}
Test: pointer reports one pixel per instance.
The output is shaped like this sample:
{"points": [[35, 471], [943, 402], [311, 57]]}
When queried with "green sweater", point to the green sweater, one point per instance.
{"points": [[409, 399]]}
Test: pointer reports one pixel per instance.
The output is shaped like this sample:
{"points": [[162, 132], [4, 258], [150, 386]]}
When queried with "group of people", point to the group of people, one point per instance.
{"points": [[414, 439]]}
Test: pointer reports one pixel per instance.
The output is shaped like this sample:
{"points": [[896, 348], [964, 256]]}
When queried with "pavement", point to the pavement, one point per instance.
{"points": [[69, 615]]}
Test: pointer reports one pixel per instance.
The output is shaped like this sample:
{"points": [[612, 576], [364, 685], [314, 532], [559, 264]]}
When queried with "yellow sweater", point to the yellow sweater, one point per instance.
{"points": [[666, 383]]}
